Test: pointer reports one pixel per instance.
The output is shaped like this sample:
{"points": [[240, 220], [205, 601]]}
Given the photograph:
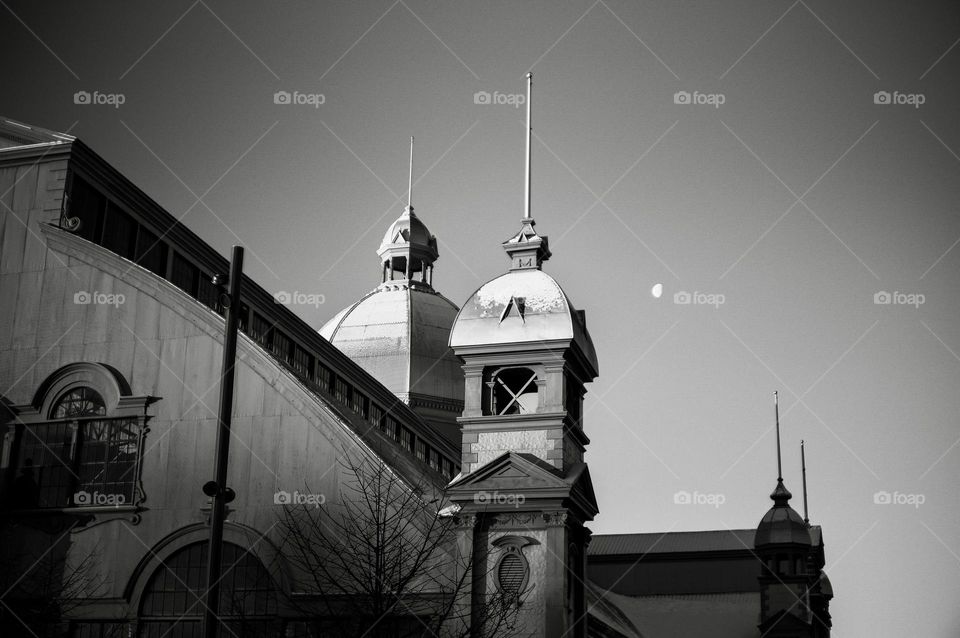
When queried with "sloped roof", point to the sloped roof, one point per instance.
{"points": [[731, 615], [714, 540]]}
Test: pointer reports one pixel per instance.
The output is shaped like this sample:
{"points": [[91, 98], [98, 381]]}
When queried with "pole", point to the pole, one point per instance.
{"points": [[776, 412], [803, 466], [410, 180], [526, 184], [220, 495]]}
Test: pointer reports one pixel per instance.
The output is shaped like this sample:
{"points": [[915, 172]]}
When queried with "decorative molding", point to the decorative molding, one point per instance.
{"points": [[556, 519]]}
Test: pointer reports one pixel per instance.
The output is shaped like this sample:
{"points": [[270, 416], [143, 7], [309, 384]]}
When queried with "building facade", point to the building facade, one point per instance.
{"points": [[111, 338]]}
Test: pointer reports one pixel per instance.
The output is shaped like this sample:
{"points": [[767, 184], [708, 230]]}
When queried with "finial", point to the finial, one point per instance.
{"points": [[410, 181], [803, 467], [776, 412], [526, 204]]}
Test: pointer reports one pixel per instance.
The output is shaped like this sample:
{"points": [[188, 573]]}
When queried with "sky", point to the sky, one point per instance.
{"points": [[788, 168]]}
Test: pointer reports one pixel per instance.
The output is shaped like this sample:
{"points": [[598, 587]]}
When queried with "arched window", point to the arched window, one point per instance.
{"points": [[172, 604], [82, 401], [78, 443], [513, 391]]}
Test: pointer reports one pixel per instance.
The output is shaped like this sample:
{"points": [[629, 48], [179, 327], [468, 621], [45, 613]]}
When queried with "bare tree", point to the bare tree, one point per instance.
{"points": [[40, 582], [384, 561]]}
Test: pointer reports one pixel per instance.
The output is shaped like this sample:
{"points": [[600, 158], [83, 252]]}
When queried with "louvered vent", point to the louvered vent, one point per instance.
{"points": [[511, 573]]}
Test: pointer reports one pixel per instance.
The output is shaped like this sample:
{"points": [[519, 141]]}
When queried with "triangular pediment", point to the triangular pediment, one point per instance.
{"points": [[516, 473], [512, 471]]}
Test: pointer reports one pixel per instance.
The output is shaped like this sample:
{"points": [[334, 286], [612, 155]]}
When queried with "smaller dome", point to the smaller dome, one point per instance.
{"points": [[781, 525], [521, 306], [408, 232]]}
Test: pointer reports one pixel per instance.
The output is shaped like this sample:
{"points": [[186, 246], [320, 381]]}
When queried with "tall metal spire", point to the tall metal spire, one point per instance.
{"points": [[410, 180], [781, 495], [776, 411], [527, 249], [803, 467], [526, 202]]}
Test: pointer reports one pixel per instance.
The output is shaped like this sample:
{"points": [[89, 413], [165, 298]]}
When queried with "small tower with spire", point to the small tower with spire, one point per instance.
{"points": [[399, 331], [785, 546], [408, 249], [524, 491]]}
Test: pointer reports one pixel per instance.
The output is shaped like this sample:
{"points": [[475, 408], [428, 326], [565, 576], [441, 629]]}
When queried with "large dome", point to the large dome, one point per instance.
{"points": [[399, 333], [521, 306]]}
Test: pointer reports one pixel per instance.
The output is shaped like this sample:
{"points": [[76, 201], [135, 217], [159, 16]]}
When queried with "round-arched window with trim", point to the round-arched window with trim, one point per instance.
{"points": [[78, 402], [172, 604]]}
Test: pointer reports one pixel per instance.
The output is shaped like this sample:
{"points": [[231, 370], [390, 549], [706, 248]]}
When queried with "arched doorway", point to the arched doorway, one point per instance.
{"points": [[172, 602]]}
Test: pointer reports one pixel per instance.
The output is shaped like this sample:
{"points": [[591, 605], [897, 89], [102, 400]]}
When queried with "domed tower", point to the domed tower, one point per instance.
{"points": [[524, 491], [399, 331], [789, 573]]}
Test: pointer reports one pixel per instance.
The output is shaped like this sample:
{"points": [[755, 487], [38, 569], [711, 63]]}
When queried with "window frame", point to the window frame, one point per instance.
{"points": [[121, 411]]}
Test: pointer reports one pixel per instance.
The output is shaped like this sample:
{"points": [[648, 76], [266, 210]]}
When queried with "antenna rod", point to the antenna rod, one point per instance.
{"points": [[526, 204], [776, 411], [803, 466], [410, 180]]}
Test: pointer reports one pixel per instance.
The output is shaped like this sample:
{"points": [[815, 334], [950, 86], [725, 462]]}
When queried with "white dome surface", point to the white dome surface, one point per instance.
{"points": [[520, 306], [399, 333]]}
